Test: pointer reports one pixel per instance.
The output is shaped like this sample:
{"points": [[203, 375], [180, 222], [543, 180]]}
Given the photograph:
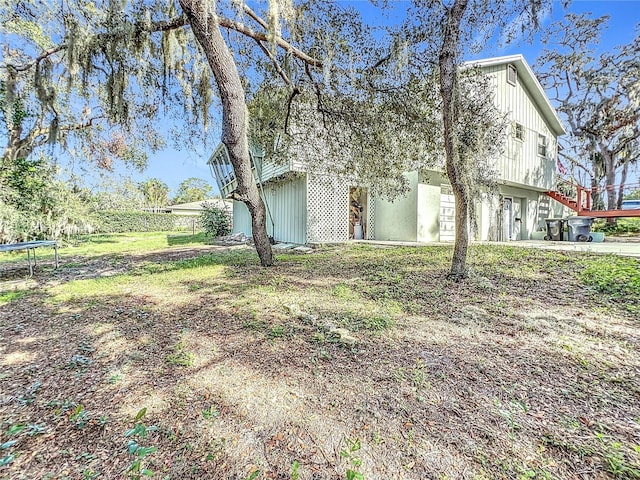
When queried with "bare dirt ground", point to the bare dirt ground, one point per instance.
{"points": [[351, 360]]}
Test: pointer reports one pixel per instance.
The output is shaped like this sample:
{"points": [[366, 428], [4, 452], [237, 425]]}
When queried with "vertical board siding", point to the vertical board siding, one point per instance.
{"points": [[287, 212], [521, 163]]}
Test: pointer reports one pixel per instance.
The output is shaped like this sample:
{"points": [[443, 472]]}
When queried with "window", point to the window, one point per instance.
{"points": [[512, 74], [518, 131], [542, 145]]}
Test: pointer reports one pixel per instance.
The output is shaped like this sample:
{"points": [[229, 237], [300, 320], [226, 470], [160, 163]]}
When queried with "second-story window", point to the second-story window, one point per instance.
{"points": [[512, 74], [542, 145], [518, 131]]}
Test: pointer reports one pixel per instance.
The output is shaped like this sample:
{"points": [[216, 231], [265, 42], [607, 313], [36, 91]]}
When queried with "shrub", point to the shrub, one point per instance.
{"points": [[621, 227], [120, 222], [216, 222]]}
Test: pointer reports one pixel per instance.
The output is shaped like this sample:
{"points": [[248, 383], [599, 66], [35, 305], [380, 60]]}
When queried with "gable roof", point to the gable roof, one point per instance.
{"points": [[530, 82]]}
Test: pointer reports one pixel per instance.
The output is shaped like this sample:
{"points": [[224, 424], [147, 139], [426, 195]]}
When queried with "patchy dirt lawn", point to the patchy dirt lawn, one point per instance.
{"points": [[350, 360]]}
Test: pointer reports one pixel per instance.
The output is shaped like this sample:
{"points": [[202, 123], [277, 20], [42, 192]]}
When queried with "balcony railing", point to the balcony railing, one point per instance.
{"points": [[222, 169]]}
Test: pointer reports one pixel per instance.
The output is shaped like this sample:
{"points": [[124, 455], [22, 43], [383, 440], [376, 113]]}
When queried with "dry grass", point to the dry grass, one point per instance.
{"points": [[519, 372]]}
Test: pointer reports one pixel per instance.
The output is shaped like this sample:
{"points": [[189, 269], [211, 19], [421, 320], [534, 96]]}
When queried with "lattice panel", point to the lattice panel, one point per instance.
{"points": [[327, 209], [371, 217]]}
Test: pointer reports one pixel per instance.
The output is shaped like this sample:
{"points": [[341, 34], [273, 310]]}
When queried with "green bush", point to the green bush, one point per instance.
{"points": [[215, 221], [621, 227], [121, 222]]}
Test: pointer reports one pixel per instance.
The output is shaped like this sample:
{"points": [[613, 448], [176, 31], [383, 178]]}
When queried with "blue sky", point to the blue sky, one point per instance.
{"points": [[172, 166]]}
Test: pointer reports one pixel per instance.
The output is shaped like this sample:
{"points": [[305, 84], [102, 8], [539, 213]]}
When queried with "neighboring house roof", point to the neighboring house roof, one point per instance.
{"points": [[529, 80], [198, 205]]}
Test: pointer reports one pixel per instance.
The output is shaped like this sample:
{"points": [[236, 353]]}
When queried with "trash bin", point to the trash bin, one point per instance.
{"points": [[580, 229], [554, 229]]}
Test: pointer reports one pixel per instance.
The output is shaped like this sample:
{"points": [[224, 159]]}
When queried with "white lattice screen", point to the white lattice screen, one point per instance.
{"points": [[371, 217], [327, 209]]}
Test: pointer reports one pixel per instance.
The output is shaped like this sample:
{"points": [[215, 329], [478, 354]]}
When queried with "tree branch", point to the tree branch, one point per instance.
{"points": [[294, 92], [31, 139], [38, 59], [255, 16], [281, 42], [275, 62], [159, 26]]}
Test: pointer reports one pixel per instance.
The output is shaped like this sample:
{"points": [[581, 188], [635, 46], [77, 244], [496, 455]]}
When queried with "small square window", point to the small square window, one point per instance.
{"points": [[518, 131], [512, 74], [542, 145]]}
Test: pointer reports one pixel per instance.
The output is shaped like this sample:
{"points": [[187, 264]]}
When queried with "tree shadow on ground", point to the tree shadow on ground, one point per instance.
{"points": [[237, 380], [186, 239]]}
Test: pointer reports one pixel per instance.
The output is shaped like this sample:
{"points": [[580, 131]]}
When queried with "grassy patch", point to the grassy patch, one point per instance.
{"points": [[180, 356], [353, 361], [8, 297], [186, 239], [127, 242]]}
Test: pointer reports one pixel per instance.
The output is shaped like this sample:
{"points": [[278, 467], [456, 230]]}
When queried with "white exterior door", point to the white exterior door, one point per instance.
{"points": [[507, 218], [447, 214], [517, 219]]}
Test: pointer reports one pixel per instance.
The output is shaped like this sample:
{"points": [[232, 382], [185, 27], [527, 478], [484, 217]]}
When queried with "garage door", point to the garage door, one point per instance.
{"points": [[447, 214]]}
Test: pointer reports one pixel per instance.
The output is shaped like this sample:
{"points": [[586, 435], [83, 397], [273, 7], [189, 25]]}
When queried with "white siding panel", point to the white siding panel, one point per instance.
{"points": [[521, 163], [286, 212]]}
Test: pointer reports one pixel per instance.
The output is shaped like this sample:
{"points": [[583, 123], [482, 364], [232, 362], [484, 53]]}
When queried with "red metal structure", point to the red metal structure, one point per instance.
{"points": [[580, 201]]}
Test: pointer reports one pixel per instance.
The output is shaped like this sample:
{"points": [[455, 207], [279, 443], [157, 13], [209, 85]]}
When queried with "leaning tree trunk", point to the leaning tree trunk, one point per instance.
{"points": [[448, 86], [234, 117]]}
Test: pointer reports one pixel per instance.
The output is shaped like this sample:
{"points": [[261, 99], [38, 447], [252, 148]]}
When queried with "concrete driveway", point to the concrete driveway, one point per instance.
{"points": [[626, 249]]}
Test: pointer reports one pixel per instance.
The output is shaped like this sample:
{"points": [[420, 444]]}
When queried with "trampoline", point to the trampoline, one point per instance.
{"points": [[30, 247]]}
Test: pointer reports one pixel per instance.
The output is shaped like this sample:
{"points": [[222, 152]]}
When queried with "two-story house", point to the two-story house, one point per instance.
{"points": [[311, 208]]}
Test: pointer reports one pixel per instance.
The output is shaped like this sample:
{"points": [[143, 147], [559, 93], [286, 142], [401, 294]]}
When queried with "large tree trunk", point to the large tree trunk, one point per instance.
{"points": [[610, 180], [623, 181], [448, 85], [234, 117]]}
